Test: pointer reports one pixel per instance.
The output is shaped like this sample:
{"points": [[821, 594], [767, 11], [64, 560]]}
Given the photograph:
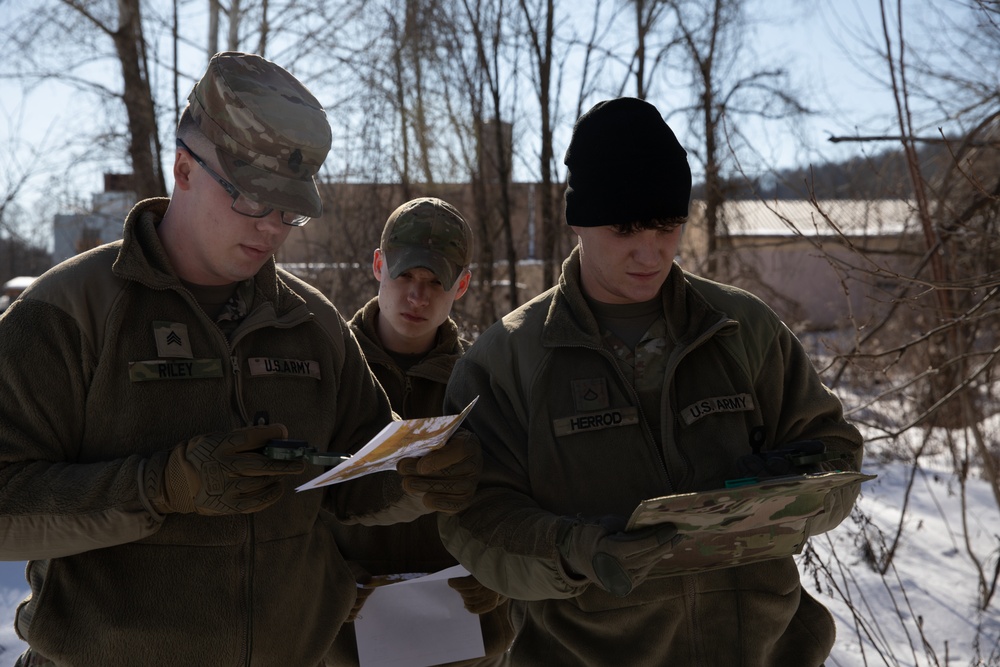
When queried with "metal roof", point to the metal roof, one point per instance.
{"points": [[850, 217], [20, 282]]}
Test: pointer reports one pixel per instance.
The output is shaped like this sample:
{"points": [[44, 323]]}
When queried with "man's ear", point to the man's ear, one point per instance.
{"points": [[183, 164], [463, 283], [377, 262]]}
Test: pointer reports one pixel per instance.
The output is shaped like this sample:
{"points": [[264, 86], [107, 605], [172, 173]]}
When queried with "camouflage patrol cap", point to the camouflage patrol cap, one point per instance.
{"points": [[271, 134], [430, 233]]}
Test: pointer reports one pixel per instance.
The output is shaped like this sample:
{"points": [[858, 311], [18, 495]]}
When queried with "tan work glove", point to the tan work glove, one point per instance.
{"points": [[359, 601], [218, 473], [477, 598], [445, 478], [615, 560], [362, 579]]}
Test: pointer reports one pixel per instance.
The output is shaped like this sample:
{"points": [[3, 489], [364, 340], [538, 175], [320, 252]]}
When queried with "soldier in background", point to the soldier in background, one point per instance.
{"points": [[411, 344], [588, 404], [139, 383]]}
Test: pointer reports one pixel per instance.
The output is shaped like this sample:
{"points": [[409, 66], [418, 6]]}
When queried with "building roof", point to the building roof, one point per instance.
{"points": [[20, 282], [831, 217]]}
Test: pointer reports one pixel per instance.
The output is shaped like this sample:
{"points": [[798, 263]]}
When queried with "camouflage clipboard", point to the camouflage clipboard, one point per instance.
{"points": [[740, 525]]}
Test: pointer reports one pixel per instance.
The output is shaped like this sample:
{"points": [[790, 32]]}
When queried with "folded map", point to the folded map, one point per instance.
{"points": [[748, 523]]}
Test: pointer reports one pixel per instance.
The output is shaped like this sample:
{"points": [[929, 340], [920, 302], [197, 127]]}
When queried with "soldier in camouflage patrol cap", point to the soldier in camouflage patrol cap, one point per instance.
{"points": [[157, 530], [411, 344], [629, 380]]}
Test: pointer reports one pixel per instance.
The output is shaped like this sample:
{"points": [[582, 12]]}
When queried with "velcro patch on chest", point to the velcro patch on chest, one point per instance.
{"points": [[172, 340], [289, 367], [718, 404], [174, 369], [595, 421], [590, 394]]}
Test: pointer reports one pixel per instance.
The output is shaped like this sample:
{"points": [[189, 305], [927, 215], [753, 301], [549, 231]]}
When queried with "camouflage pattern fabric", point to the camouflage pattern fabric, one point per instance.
{"points": [[731, 526], [429, 233], [236, 309], [271, 134], [645, 367], [741, 525], [232, 313], [173, 369], [648, 362]]}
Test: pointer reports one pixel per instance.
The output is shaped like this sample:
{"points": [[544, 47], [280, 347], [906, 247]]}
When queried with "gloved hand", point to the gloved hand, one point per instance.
{"points": [[615, 560], [218, 473], [445, 478], [362, 578], [359, 602], [477, 598], [794, 458]]}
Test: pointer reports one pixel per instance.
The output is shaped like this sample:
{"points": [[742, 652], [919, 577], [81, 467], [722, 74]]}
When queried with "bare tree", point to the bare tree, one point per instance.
{"points": [[73, 23], [212, 43], [540, 21], [957, 208], [130, 45], [647, 15], [21, 251], [726, 89], [933, 351]]}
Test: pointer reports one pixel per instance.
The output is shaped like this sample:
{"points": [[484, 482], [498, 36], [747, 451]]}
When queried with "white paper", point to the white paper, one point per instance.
{"points": [[398, 440], [416, 623]]}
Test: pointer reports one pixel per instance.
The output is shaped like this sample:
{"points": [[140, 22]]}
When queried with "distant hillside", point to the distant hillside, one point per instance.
{"points": [[880, 176]]}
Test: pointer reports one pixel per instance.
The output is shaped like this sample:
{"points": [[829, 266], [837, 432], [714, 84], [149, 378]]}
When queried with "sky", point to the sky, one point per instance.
{"points": [[829, 48], [815, 40]]}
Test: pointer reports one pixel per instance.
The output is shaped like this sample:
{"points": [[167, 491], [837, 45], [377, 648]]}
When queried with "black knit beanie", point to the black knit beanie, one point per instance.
{"points": [[625, 165]]}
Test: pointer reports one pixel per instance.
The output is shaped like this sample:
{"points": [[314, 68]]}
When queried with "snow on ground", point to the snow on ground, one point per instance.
{"points": [[923, 612]]}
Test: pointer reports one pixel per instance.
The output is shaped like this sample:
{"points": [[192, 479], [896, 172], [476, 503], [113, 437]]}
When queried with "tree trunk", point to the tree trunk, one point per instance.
{"points": [[541, 44], [212, 46], [144, 144], [233, 42], [265, 29]]}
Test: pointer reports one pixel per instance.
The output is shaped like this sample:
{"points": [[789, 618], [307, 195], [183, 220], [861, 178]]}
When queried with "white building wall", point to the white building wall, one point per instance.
{"points": [[74, 233]]}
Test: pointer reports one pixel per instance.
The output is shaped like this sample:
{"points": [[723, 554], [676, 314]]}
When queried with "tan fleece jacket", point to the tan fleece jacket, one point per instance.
{"points": [[92, 382], [541, 374]]}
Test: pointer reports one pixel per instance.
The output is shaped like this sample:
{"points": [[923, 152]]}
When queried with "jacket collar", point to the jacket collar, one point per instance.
{"points": [[570, 321], [142, 258], [448, 347]]}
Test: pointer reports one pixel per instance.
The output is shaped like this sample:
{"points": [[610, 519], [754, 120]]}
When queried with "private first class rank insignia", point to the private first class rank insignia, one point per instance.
{"points": [[591, 401]]}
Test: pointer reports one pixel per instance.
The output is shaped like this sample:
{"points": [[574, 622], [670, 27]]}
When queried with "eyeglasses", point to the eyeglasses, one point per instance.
{"points": [[241, 203]]}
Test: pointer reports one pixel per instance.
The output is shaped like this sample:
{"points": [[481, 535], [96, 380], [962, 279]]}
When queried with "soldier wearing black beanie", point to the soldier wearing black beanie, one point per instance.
{"points": [[625, 165], [631, 379]]}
